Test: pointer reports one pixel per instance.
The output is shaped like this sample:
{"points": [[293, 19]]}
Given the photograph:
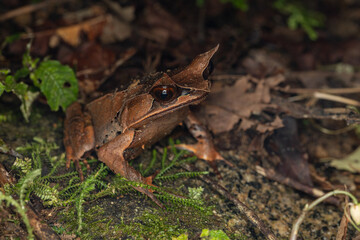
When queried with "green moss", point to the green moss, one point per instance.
{"points": [[150, 224]]}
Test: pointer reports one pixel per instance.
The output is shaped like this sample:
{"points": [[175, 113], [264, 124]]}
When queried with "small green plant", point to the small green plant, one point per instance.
{"points": [[42, 186], [353, 218], [20, 205], [121, 185], [206, 234], [57, 82], [66, 190], [299, 16], [239, 4]]}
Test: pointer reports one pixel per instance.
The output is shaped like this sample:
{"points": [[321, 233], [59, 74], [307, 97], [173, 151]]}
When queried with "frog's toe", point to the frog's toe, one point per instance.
{"points": [[78, 169], [205, 151]]}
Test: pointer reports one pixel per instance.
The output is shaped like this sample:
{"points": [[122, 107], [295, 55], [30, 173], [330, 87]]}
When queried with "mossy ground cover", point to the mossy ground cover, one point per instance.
{"points": [[124, 215]]}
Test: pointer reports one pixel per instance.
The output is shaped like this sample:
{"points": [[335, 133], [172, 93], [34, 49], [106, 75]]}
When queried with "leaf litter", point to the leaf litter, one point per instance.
{"points": [[258, 102]]}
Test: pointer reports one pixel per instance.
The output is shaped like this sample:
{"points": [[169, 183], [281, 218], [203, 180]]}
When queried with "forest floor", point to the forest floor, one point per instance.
{"points": [[282, 110]]}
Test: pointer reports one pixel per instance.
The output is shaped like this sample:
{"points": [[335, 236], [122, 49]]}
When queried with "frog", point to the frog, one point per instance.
{"points": [[119, 125]]}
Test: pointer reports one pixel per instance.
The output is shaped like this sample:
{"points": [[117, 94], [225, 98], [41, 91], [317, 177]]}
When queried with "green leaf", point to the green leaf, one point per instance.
{"points": [[21, 73], [20, 89], [27, 61], [12, 38], [349, 163], [58, 84], [5, 71], [239, 4], [214, 235], [10, 83], [200, 3], [26, 103], [183, 236], [2, 88], [3, 147]]}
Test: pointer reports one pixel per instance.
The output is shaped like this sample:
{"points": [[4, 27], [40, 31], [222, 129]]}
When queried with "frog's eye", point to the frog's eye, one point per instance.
{"points": [[208, 70], [164, 93]]}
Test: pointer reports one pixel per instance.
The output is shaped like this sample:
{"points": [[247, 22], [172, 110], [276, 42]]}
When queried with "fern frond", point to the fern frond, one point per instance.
{"points": [[152, 163], [198, 204], [180, 175], [50, 195], [171, 165], [28, 180], [23, 165], [59, 178]]}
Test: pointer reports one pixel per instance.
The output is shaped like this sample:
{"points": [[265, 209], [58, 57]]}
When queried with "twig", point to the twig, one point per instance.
{"points": [[311, 91], [307, 208], [250, 214], [331, 131], [271, 174], [335, 98], [341, 233], [326, 96], [5, 149], [30, 8]]}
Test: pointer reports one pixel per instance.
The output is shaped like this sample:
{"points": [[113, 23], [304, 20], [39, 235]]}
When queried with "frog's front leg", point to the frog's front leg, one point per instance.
{"points": [[79, 135], [112, 154], [204, 148]]}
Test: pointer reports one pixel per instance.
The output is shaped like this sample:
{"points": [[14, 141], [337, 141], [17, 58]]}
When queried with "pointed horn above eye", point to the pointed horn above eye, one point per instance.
{"points": [[192, 75]]}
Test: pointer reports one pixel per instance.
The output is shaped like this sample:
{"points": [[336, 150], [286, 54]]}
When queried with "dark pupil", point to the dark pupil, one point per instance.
{"points": [[164, 94]]}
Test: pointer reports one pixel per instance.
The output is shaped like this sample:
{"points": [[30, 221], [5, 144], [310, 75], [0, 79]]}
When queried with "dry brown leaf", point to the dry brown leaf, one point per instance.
{"points": [[261, 63], [268, 127], [71, 34], [342, 231], [157, 20], [126, 13], [215, 120], [115, 30], [227, 105], [92, 60]]}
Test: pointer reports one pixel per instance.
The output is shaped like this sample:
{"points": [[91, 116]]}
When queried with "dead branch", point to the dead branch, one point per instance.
{"points": [[31, 8]]}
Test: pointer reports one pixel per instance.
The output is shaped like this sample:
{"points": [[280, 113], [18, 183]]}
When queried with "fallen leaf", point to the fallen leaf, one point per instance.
{"points": [[71, 34], [342, 230], [349, 163], [115, 30], [248, 96], [91, 61], [285, 143], [261, 63], [156, 20], [270, 126], [297, 110]]}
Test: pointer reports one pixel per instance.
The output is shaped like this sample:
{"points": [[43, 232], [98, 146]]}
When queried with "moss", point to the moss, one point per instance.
{"points": [[152, 223]]}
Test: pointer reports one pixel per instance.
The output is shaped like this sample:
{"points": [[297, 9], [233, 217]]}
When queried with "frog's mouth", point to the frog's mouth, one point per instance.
{"points": [[159, 110]]}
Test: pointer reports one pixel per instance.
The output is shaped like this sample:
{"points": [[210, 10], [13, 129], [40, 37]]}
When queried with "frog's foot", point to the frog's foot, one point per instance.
{"points": [[78, 166], [148, 180], [205, 149], [150, 194]]}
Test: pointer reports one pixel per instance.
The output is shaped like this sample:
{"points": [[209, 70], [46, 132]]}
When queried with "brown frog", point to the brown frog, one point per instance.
{"points": [[119, 125]]}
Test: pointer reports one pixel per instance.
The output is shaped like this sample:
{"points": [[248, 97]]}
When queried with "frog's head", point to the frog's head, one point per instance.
{"points": [[171, 91]]}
